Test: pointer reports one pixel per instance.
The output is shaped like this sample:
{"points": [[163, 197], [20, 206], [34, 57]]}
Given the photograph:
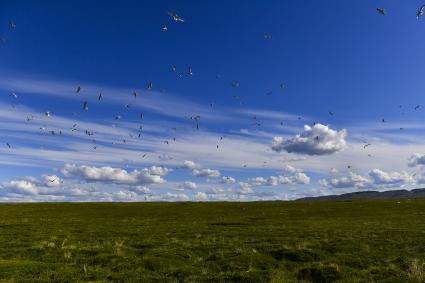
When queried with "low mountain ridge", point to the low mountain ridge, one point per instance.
{"points": [[365, 195]]}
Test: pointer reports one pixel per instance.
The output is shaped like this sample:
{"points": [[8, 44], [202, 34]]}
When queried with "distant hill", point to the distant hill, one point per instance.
{"points": [[365, 195]]}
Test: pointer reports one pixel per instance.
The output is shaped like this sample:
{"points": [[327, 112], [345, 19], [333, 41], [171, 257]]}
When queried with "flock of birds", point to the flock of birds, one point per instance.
{"points": [[195, 118]]}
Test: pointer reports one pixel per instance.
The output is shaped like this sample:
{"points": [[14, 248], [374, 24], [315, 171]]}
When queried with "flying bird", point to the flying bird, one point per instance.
{"points": [[176, 17], [164, 28], [173, 69], [331, 113], [47, 113], [8, 145], [381, 11], [235, 84], [189, 71], [149, 86], [135, 94], [366, 145], [14, 95], [100, 96], [267, 36], [12, 25], [420, 12], [85, 106], [417, 107]]}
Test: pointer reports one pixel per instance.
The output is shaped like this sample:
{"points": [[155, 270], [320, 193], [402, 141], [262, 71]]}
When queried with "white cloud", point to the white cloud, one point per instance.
{"points": [[228, 180], [140, 190], [20, 187], [51, 180], [244, 188], [290, 169], [258, 181], [187, 164], [174, 197], [297, 178], [316, 140], [201, 196], [189, 185], [159, 170], [109, 174], [353, 180], [214, 191], [416, 159], [389, 178], [206, 173], [124, 195]]}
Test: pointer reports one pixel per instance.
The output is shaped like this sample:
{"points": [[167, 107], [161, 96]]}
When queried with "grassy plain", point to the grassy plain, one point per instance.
{"points": [[359, 241]]}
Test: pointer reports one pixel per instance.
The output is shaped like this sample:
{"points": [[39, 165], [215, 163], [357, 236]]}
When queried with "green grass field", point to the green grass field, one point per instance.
{"points": [[361, 241]]}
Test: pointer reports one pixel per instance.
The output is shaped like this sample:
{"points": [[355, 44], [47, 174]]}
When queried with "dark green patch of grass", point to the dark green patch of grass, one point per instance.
{"points": [[358, 241]]}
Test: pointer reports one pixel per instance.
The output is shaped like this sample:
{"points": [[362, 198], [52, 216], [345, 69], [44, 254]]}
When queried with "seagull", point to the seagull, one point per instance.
{"points": [[100, 96], [383, 120], [47, 113], [417, 107], [176, 17], [14, 95], [117, 117], [141, 116], [85, 106], [12, 25], [144, 155], [420, 12], [267, 36], [78, 89], [8, 145], [366, 145], [164, 28], [331, 113], [381, 11], [149, 86], [190, 72], [173, 69], [135, 94]]}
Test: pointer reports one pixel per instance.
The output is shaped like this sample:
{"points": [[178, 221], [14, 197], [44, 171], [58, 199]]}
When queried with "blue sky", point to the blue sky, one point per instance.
{"points": [[273, 142]]}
